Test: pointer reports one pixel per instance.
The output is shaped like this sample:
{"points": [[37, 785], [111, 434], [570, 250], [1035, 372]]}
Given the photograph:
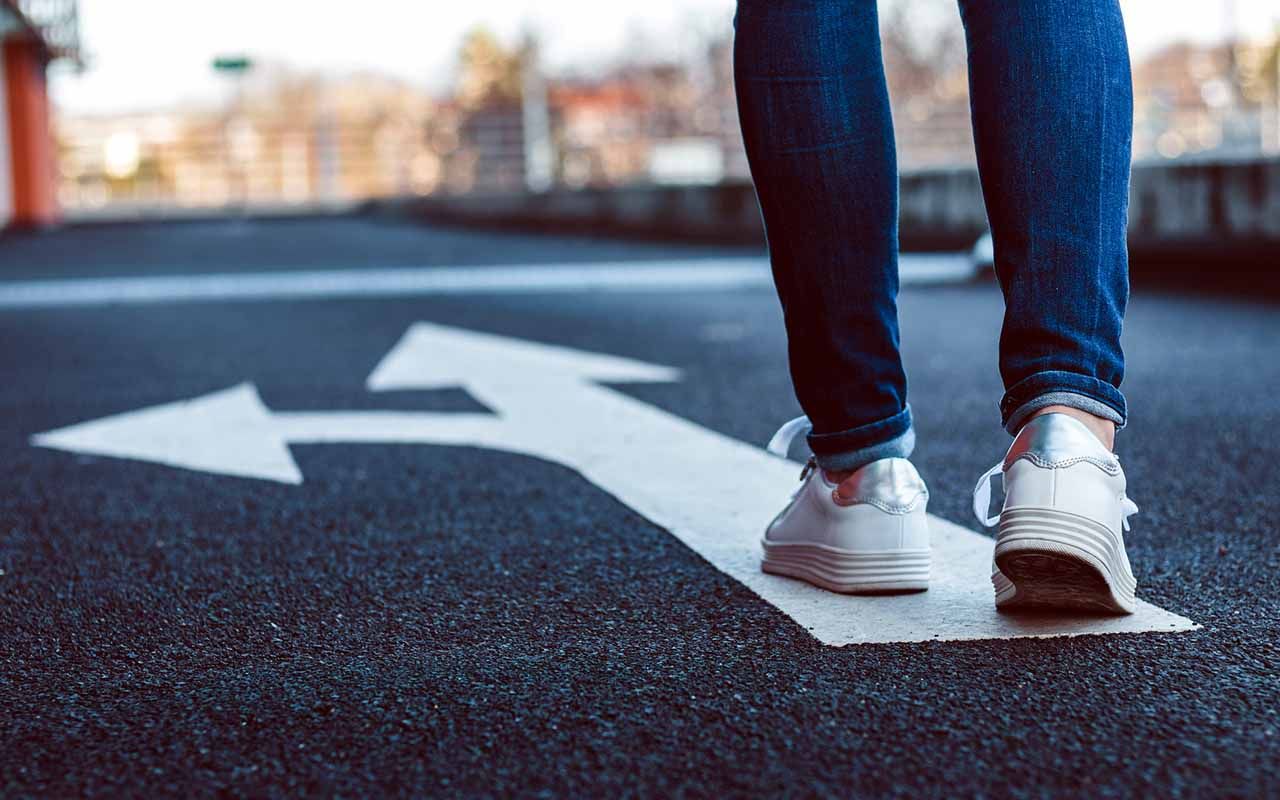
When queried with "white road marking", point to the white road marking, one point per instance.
{"points": [[712, 492], [616, 276], [723, 332]]}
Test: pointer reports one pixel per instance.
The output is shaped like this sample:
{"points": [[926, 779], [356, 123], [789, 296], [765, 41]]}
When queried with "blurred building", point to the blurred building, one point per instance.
{"points": [[285, 139], [519, 129], [1220, 101], [32, 34], [721, 106], [508, 126], [632, 125]]}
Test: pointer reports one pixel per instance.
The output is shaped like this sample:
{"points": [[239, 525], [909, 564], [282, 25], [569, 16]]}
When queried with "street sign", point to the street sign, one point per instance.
{"points": [[232, 64], [714, 493]]}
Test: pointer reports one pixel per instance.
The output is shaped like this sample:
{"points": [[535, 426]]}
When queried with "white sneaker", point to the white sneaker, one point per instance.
{"points": [[1060, 543], [877, 541]]}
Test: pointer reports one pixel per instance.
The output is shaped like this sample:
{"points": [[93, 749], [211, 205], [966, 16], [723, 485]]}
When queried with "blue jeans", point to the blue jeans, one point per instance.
{"points": [[1052, 109]]}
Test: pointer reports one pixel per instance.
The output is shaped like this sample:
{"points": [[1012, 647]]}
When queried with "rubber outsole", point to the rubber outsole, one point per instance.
{"points": [[1052, 560], [848, 572]]}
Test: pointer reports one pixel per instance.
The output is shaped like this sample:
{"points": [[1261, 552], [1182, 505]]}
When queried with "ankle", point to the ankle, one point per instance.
{"points": [[1104, 429], [845, 489]]}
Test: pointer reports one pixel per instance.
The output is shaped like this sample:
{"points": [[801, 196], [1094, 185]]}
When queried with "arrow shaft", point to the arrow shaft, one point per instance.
{"points": [[714, 493], [388, 427]]}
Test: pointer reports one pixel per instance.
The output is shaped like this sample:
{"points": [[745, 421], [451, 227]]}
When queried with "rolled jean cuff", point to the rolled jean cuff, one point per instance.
{"points": [[1069, 389], [852, 449]]}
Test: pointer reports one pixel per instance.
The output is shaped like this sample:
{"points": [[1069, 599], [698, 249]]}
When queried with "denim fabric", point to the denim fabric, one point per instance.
{"points": [[850, 449], [1052, 117]]}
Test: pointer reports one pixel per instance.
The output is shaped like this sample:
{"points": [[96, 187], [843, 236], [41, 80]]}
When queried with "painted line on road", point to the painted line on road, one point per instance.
{"points": [[611, 276], [712, 492]]}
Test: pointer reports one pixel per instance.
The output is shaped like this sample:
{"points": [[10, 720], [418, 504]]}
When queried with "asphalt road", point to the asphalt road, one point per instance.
{"points": [[460, 622]]}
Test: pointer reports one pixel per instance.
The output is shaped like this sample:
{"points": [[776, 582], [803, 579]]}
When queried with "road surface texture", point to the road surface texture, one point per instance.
{"points": [[455, 621]]}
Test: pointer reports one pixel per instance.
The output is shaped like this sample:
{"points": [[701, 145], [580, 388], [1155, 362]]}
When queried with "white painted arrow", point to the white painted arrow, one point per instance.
{"points": [[712, 492], [231, 432]]}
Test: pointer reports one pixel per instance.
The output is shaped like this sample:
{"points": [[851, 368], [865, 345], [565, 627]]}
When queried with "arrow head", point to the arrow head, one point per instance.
{"points": [[228, 432], [432, 356]]}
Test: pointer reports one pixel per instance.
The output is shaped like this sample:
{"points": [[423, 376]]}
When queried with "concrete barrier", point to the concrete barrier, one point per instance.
{"points": [[1211, 214], [1178, 211], [724, 213]]}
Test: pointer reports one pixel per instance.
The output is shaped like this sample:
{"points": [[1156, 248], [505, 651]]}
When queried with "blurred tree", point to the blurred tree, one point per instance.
{"points": [[1259, 69], [924, 55], [488, 73]]}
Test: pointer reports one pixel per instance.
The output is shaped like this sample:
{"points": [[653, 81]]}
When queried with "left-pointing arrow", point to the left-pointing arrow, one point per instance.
{"points": [[231, 432], [228, 432]]}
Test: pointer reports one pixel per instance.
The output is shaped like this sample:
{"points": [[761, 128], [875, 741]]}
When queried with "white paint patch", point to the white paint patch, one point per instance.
{"points": [[712, 492], [614, 276], [723, 332]]}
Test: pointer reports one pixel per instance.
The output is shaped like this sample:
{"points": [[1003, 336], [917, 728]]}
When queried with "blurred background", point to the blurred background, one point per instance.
{"points": [[159, 105]]}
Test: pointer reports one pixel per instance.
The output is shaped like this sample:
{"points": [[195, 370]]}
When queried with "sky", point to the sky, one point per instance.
{"points": [[156, 54]]}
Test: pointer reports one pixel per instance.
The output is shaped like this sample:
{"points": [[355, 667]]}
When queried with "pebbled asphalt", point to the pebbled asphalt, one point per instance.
{"points": [[454, 622]]}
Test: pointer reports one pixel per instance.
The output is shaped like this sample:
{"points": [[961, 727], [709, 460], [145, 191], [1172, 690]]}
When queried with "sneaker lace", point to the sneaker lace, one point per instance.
{"points": [[982, 496], [982, 499], [781, 442]]}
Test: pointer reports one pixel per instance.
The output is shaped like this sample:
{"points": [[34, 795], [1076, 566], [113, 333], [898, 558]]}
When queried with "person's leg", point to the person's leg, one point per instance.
{"points": [[815, 119], [1053, 115]]}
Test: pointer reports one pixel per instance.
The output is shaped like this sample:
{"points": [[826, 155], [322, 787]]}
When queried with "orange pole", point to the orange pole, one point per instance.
{"points": [[30, 136]]}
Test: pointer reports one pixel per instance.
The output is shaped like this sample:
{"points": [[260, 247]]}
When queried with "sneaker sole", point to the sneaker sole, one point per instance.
{"points": [[849, 572], [1052, 560]]}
